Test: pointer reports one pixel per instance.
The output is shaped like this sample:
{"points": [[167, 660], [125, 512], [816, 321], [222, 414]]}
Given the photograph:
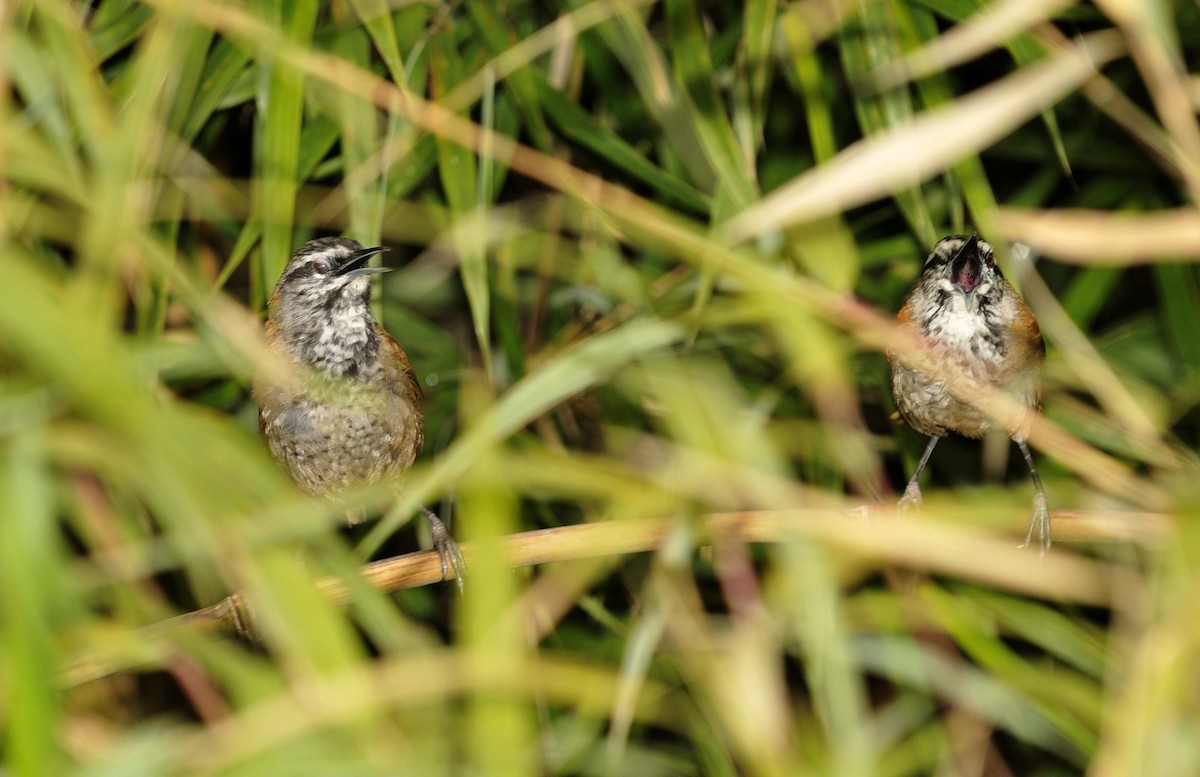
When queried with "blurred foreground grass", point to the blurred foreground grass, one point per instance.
{"points": [[647, 256]]}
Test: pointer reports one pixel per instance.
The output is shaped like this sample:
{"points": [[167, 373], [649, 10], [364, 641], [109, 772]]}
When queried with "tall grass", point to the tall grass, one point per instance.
{"points": [[647, 256]]}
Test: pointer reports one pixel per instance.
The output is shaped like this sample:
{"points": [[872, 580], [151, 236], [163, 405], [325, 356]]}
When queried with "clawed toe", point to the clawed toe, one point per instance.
{"points": [[447, 549], [912, 496], [1039, 525]]}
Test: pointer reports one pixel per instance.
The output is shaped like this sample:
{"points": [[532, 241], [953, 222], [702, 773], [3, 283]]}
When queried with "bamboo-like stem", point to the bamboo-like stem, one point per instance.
{"points": [[235, 615]]}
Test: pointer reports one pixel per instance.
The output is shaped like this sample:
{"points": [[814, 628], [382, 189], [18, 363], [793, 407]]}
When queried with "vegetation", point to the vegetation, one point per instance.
{"points": [[647, 255]]}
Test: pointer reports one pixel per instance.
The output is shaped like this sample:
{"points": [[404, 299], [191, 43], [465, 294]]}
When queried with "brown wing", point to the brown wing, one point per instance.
{"points": [[903, 318], [1028, 352], [403, 382]]}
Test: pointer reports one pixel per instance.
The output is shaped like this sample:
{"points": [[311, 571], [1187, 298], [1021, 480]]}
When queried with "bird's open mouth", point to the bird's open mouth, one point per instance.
{"points": [[355, 264]]}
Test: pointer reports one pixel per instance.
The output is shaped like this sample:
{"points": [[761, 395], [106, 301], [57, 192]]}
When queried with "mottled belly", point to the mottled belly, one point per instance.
{"points": [[327, 447], [929, 408]]}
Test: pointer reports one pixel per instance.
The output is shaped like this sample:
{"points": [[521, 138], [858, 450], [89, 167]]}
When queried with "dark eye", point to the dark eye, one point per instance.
{"points": [[321, 266]]}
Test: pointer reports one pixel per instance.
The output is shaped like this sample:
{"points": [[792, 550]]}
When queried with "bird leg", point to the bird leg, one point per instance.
{"points": [[1039, 523], [912, 492], [447, 549]]}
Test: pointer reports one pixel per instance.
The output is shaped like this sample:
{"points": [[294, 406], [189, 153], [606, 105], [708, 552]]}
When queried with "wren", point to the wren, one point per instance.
{"points": [[975, 324], [348, 410]]}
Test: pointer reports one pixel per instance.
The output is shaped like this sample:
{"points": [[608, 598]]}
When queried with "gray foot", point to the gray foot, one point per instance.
{"points": [[912, 496], [1039, 525], [447, 549]]}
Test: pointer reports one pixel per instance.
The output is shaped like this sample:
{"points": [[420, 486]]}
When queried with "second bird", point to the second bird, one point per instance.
{"points": [[346, 406], [976, 325]]}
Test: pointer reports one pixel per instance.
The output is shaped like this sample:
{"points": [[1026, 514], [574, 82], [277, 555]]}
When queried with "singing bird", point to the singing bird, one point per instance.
{"points": [[349, 408], [977, 325]]}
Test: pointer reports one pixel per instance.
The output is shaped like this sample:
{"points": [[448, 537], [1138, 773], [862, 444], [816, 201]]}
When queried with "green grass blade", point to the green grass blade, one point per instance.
{"points": [[874, 41], [705, 112], [578, 126], [457, 168], [280, 103], [520, 84], [359, 138]]}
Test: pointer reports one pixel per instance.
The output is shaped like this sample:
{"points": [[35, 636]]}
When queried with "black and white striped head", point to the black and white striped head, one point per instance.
{"points": [[962, 271], [325, 270], [320, 306]]}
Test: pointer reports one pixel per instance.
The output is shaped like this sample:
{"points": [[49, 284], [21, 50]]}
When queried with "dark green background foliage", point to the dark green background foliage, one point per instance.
{"points": [[646, 256]]}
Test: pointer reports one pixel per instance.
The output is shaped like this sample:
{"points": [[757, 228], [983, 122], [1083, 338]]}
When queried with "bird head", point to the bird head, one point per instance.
{"points": [[962, 268], [320, 309], [324, 275]]}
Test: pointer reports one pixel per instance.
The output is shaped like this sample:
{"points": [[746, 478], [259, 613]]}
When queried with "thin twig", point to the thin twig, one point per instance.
{"points": [[234, 614]]}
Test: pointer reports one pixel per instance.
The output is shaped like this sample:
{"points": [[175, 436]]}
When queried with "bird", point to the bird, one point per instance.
{"points": [[976, 324], [346, 407]]}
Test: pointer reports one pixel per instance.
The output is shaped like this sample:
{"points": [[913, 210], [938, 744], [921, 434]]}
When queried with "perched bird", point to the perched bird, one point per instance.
{"points": [[348, 408], [976, 325]]}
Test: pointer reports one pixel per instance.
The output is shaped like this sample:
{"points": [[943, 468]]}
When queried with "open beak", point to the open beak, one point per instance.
{"points": [[967, 270], [355, 265]]}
